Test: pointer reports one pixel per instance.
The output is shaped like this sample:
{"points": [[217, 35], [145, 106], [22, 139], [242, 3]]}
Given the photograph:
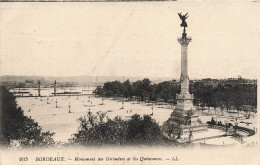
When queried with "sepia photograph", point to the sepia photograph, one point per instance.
{"points": [[162, 82]]}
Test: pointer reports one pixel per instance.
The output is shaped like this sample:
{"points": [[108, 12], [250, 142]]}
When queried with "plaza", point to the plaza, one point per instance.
{"points": [[64, 124]]}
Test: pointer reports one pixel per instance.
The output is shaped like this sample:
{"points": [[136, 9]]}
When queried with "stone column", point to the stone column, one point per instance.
{"points": [[184, 65], [55, 88], [39, 88], [184, 99]]}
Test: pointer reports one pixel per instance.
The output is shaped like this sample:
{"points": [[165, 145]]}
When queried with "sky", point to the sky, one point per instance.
{"points": [[130, 39]]}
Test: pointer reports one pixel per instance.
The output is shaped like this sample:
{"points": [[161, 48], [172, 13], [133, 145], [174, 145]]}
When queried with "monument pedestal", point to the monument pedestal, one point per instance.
{"points": [[183, 121]]}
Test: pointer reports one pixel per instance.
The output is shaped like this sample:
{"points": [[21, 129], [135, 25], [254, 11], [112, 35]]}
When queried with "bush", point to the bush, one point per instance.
{"points": [[143, 130], [97, 130], [212, 122], [229, 125], [94, 130], [220, 123]]}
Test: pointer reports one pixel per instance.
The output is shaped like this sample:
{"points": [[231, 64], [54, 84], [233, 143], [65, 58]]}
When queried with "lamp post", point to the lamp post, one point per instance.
{"points": [[236, 125], [190, 136], [222, 109], [226, 125], [122, 104], [152, 111], [56, 103], [89, 112]]}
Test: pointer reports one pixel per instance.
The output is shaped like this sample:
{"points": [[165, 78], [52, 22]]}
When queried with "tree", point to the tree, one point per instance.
{"points": [[127, 89], [15, 126], [95, 130], [99, 91], [142, 89], [137, 90], [113, 88], [152, 95], [143, 130], [167, 90], [228, 93], [238, 98]]}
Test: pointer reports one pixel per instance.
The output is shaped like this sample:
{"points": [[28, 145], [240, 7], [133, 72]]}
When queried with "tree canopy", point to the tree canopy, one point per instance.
{"points": [[17, 127], [225, 94]]}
